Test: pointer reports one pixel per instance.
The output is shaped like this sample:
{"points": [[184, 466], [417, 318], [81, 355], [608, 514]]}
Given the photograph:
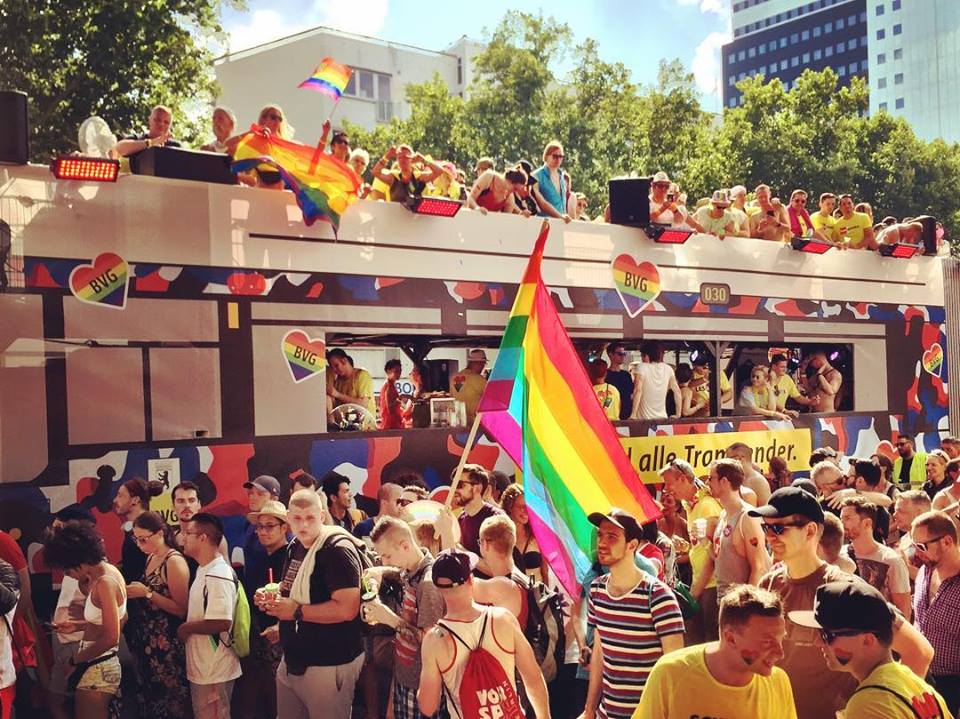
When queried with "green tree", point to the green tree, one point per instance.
{"points": [[113, 58]]}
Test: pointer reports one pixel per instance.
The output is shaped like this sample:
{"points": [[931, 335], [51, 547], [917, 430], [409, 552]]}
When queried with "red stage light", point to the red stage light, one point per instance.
{"points": [[90, 169], [434, 206], [667, 235], [814, 247]]}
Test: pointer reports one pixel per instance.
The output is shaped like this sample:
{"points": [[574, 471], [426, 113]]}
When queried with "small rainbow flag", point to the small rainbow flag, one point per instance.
{"points": [[323, 185], [540, 406], [330, 78]]}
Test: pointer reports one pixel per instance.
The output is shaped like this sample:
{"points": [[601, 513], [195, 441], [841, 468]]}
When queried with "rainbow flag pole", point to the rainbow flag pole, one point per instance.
{"points": [[539, 405]]}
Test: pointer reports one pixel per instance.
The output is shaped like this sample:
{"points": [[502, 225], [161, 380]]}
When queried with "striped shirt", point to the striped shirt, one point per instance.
{"points": [[630, 628], [937, 621]]}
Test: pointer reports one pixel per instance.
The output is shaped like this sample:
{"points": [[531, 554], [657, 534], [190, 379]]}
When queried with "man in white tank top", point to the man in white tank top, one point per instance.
{"points": [[494, 629]]}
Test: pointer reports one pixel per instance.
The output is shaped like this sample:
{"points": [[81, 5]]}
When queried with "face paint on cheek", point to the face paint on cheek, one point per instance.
{"points": [[749, 656], [843, 657]]}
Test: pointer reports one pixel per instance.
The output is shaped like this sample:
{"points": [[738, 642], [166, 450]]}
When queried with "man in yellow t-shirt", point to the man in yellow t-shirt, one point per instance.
{"points": [[468, 385], [784, 387], [703, 513], [856, 632], [734, 677], [823, 220], [701, 385], [855, 227]]}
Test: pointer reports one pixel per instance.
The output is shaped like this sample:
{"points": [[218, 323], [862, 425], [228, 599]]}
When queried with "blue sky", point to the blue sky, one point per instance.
{"points": [[638, 33]]}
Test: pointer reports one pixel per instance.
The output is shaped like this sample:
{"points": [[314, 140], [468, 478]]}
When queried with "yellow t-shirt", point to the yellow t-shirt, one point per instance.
{"points": [[785, 388], [853, 228], [702, 392], [359, 385], [879, 704], [681, 687], [467, 386], [827, 224], [609, 397], [704, 507]]}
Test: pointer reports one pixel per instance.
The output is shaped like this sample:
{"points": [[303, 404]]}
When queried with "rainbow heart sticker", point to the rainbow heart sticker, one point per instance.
{"points": [[305, 357], [637, 284], [103, 282], [933, 359]]}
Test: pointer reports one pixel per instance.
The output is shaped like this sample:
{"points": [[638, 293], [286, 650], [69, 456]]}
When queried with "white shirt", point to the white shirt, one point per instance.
{"points": [[8, 673], [655, 378], [209, 660], [70, 594]]}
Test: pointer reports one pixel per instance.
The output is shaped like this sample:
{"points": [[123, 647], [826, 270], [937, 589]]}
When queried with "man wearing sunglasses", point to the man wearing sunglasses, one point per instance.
{"points": [[936, 599], [793, 522], [909, 468], [854, 626]]}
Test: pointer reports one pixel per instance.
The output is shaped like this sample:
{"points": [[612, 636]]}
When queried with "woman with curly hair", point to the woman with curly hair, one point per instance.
{"points": [[160, 657], [77, 548], [526, 553]]}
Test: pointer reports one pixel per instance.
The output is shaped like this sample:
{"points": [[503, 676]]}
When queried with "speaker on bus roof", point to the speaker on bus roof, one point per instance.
{"points": [[629, 201], [929, 233], [14, 145]]}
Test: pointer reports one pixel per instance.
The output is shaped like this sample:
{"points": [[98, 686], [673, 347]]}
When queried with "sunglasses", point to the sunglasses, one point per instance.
{"points": [[799, 202], [778, 529], [921, 546], [557, 156], [404, 502], [268, 527], [829, 635], [661, 184], [272, 116]]}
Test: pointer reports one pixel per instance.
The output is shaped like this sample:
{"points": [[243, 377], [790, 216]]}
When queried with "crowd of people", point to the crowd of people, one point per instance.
{"points": [[547, 190], [755, 594]]}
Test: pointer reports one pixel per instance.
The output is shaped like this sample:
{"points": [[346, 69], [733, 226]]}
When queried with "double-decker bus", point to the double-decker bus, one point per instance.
{"points": [[144, 324]]}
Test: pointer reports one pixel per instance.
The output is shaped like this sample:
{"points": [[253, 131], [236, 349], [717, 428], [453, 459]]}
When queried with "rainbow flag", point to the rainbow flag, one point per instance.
{"points": [[323, 185], [540, 407], [330, 78]]}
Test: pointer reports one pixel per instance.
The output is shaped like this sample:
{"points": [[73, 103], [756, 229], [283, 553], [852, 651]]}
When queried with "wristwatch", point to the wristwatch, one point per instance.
{"points": [[298, 613]]}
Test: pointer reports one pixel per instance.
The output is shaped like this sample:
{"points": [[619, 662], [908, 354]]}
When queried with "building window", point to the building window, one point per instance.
{"points": [[806, 58], [794, 38], [863, 41], [839, 23], [895, 5], [882, 83], [783, 65], [898, 79], [842, 71], [817, 31], [840, 47], [736, 32], [864, 64], [898, 53], [731, 81], [879, 10], [368, 85], [751, 52], [852, 68], [883, 106], [741, 55], [899, 103], [897, 29], [881, 33], [805, 35], [828, 28], [863, 16], [741, 76], [794, 61], [817, 54], [732, 102], [772, 45], [852, 20], [828, 51], [852, 44], [783, 42], [731, 58], [881, 58]]}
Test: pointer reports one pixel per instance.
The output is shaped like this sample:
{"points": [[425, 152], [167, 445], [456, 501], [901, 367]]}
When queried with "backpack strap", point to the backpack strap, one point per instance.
{"points": [[236, 584], [903, 700]]}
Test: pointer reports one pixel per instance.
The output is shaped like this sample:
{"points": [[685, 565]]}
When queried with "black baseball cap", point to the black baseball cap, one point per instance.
{"points": [[266, 483], [847, 605], [452, 568], [788, 501], [620, 517], [806, 484]]}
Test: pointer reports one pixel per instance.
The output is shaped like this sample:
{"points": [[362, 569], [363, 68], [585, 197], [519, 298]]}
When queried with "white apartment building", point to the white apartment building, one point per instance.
{"points": [[270, 73], [915, 64]]}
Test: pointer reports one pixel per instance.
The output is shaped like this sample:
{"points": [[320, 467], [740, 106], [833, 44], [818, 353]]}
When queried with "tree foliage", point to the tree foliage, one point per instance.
{"points": [[113, 58], [815, 136]]}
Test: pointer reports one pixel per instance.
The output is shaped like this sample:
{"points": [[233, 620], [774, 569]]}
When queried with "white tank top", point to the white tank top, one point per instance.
{"points": [[469, 633], [656, 381]]}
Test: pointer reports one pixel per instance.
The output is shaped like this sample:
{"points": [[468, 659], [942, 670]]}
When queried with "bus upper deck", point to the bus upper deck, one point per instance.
{"points": [[144, 325]]}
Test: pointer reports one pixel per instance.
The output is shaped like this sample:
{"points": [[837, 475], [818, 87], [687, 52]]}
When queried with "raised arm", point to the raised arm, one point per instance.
{"points": [[379, 169]]}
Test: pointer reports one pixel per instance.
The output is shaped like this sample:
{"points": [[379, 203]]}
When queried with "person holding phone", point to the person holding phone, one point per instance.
{"points": [[771, 222]]}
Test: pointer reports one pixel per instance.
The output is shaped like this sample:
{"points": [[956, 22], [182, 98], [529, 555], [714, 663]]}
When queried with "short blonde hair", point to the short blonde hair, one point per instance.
{"points": [[552, 146], [500, 531]]}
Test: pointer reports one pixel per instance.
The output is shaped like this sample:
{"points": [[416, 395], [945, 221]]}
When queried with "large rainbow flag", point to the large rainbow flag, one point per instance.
{"points": [[323, 185], [330, 78], [540, 406]]}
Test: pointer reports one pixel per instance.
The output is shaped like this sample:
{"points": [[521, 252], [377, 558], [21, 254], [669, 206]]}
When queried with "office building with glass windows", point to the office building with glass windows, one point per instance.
{"points": [[909, 51]]}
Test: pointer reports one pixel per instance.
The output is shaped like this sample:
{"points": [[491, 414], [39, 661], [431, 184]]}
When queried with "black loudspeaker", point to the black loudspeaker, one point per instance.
{"points": [[14, 145], [179, 164], [929, 233], [630, 201]]}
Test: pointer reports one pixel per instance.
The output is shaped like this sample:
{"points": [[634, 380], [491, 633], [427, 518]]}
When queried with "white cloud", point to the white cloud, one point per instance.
{"points": [[718, 7], [707, 63], [258, 26]]}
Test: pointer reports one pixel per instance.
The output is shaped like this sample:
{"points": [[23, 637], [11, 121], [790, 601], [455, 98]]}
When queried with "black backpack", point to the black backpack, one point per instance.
{"points": [[545, 620]]}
